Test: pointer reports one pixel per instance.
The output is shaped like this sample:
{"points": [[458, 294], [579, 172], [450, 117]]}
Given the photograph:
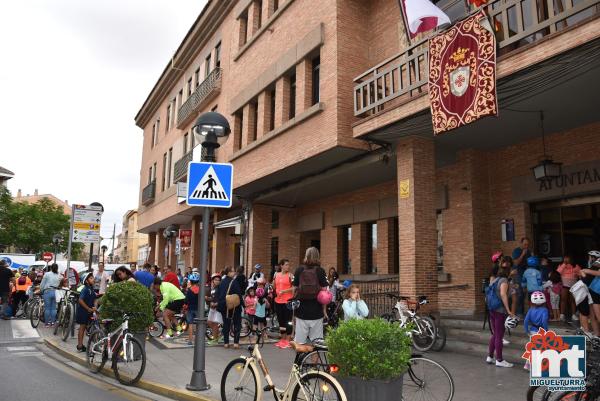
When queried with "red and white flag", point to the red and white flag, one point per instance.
{"points": [[422, 16]]}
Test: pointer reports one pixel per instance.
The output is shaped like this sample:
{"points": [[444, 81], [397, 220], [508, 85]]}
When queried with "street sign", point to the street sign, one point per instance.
{"points": [[47, 256], [210, 184], [86, 223]]}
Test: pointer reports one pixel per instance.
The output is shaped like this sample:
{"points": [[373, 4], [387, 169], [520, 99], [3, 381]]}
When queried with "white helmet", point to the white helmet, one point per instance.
{"points": [[538, 298], [511, 322], [594, 254]]}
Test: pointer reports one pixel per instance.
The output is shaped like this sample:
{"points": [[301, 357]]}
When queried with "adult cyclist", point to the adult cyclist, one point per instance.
{"points": [[172, 302]]}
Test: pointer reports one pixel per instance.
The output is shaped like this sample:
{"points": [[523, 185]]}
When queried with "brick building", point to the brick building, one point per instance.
{"points": [[329, 111]]}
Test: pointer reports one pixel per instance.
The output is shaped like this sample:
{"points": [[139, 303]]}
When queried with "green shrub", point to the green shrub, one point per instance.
{"points": [[370, 349], [131, 298]]}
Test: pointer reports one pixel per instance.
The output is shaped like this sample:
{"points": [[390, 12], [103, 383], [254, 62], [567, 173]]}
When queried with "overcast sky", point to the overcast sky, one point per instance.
{"points": [[73, 75]]}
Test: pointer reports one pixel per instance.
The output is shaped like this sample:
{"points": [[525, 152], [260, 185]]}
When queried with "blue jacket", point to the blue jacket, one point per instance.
{"points": [[532, 278], [536, 317]]}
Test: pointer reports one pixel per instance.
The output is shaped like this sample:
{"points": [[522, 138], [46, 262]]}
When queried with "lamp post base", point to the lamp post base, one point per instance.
{"points": [[198, 382]]}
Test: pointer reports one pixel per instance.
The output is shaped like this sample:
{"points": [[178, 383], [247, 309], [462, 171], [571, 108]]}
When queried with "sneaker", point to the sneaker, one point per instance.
{"points": [[574, 317], [170, 333], [178, 328], [504, 364], [213, 342], [190, 343], [562, 317], [81, 349], [505, 342], [490, 360]]}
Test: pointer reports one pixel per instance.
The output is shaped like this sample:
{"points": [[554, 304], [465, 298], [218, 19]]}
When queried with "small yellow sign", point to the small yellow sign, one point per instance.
{"points": [[404, 189], [86, 226]]}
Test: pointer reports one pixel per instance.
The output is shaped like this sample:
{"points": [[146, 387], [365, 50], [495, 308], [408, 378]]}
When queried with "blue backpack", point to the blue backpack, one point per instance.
{"points": [[492, 300]]}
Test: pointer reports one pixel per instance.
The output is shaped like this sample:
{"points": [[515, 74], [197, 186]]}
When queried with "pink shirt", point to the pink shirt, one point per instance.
{"points": [[250, 305], [569, 274]]}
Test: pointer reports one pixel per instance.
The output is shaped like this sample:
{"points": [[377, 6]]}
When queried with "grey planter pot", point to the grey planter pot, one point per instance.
{"points": [[357, 389]]}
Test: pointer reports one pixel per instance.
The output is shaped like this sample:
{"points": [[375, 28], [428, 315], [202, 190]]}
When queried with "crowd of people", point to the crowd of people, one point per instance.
{"points": [[532, 289]]}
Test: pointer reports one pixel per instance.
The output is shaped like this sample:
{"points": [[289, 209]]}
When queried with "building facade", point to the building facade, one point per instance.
{"points": [[329, 110], [130, 240]]}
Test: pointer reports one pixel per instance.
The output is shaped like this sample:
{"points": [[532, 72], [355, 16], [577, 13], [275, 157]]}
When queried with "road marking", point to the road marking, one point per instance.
{"points": [[24, 348], [23, 329], [27, 353]]}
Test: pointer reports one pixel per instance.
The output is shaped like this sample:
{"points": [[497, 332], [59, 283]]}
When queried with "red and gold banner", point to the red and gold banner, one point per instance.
{"points": [[185, 236], [462, 74]]}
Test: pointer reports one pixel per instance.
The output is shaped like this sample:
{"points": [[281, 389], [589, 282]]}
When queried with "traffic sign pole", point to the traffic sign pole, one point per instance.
{"points": [[70, 241]]}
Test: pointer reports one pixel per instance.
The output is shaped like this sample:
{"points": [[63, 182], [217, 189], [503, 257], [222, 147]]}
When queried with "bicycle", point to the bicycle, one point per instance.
{"points": [[125, 352], [66, 312], [405, 312], [334, 309], [157, 328], [38, 310], [241, 381]]}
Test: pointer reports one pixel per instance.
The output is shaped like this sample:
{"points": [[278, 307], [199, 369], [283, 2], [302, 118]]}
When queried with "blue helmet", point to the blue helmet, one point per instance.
{"points": [[347, 283], [194, 277], [533, 261]]}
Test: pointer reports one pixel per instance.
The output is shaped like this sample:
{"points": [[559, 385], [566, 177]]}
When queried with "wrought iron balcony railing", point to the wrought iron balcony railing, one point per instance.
{"points": [[181, 167], [516, 23], [148, 193], [204, 93]]}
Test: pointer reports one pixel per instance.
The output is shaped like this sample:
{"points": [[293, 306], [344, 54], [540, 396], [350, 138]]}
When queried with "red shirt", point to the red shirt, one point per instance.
{"points": [[172, 278]]}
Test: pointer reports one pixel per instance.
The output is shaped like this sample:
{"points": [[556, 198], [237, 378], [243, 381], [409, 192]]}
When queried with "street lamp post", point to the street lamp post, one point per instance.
{"points": [[104, 248], [90, 259], [209, 128], [170, 233]]}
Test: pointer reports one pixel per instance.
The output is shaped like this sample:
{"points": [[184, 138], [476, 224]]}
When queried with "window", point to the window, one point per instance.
{"points": [[440, 241], [197, 76], [258, 8], [185, 143], [207, 65], [316, 69], [238, 126], [275, 5], [274, 251], [218, 55], [272, 121], [371, 251], [243, 29], [169, 107], [169, 168], [189, 88], [153, 139], [164, 172], [150, 175], [193, 140], [180, 98], [154, 172], [292, 96], [346, 238], [157, 128], [254, 132], [274, 219]]}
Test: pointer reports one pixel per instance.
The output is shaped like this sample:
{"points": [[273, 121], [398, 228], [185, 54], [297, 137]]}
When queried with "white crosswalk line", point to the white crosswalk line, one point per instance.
{"points": [[23, 329]]}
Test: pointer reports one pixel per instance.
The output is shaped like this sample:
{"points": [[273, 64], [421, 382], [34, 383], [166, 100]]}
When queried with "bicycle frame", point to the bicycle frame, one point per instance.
{"points": [[123, 335]]}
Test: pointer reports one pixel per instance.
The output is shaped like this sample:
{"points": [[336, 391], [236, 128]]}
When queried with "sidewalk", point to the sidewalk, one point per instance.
{"points": [[169, 370]]}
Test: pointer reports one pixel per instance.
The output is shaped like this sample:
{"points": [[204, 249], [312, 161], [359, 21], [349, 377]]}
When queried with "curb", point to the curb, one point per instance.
{"points": [[157, 388]]}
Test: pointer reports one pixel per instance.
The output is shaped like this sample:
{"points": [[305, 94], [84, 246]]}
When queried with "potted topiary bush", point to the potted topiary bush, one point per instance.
{"points": [[372, 356], [131, 298]]}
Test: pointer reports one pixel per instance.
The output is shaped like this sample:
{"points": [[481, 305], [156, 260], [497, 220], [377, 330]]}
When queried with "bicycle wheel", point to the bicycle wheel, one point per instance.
{"points": [[34, 318], [388, 316], [315, 360], [129, 363], [238, 384], [68, 321], [424, 334], [156, 329], [571, 396], [427, 380], [96, 351], [440, 339], [246, 328], [316, 386], [61, 316], [538, 393]]}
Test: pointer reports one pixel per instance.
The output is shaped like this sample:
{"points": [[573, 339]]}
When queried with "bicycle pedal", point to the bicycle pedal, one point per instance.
{"points": [[268, 388]]}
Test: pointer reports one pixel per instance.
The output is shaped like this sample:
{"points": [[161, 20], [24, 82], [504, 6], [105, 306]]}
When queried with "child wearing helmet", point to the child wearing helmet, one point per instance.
{"points": [[191, 300], [537, 316], [532, 278]]}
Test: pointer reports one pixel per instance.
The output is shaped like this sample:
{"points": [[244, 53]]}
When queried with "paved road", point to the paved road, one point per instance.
{"points": [[29, 371]]}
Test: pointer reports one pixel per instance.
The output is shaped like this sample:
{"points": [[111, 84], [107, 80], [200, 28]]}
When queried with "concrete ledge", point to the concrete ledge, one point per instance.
{"points": [[157, 388]]}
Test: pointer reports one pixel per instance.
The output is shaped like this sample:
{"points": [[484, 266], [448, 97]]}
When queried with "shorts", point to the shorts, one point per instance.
{"points": [[215, 316], [554, 300], [82, 316], [584, 306], [190, 316], [175, 306], [308, 330], [284, 317], [256, 320], [595, 297]]}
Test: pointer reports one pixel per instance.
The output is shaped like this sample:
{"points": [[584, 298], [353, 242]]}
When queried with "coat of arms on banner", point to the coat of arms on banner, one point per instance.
{"points": [[462, 74]]}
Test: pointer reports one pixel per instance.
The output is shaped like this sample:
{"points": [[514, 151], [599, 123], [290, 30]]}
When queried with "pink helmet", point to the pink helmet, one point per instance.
{"points": [[260, 292], [324, 297], [496, 255]]}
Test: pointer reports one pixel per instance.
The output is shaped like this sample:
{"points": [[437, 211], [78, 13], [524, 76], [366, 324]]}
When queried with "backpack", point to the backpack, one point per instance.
{"points": [[492, 300], [308, 287], [22, 280]]}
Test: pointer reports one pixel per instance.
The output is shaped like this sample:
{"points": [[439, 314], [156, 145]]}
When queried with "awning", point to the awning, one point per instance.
{"points": [[233, 222]]}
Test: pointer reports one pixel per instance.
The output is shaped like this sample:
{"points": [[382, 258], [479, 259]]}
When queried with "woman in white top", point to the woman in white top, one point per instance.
{"points": [[50, 282], [354, 307]]}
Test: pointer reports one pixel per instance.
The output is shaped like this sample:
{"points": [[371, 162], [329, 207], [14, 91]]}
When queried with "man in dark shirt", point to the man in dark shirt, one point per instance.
{"points": [[6, 277], [309, 315]]}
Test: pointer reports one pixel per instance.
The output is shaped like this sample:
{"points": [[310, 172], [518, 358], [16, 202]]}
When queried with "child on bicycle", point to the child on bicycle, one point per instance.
{"points": [[85, 308]]}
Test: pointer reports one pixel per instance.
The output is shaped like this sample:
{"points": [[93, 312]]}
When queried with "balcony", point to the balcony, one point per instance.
{"points": [[516, 23], [181, 167], [204, 93], [148, 193]]}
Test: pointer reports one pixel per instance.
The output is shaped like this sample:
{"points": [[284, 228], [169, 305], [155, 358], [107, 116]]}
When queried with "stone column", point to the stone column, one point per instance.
{"points": [[254, 18], [282, 98], [358, 255], [385, 248], [303, 85], [161, 242], [416, 214], [260, 238], [248, 128], [264, 114]]}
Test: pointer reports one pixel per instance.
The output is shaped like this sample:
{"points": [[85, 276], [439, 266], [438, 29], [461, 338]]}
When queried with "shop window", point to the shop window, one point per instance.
{"points": [[371, 248], [346, 238], [274, 219], [274, 251], [316, 70]]}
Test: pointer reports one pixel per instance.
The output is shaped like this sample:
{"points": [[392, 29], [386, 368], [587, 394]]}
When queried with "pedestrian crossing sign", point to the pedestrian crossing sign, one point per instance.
{"points": [[210, 184]]}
